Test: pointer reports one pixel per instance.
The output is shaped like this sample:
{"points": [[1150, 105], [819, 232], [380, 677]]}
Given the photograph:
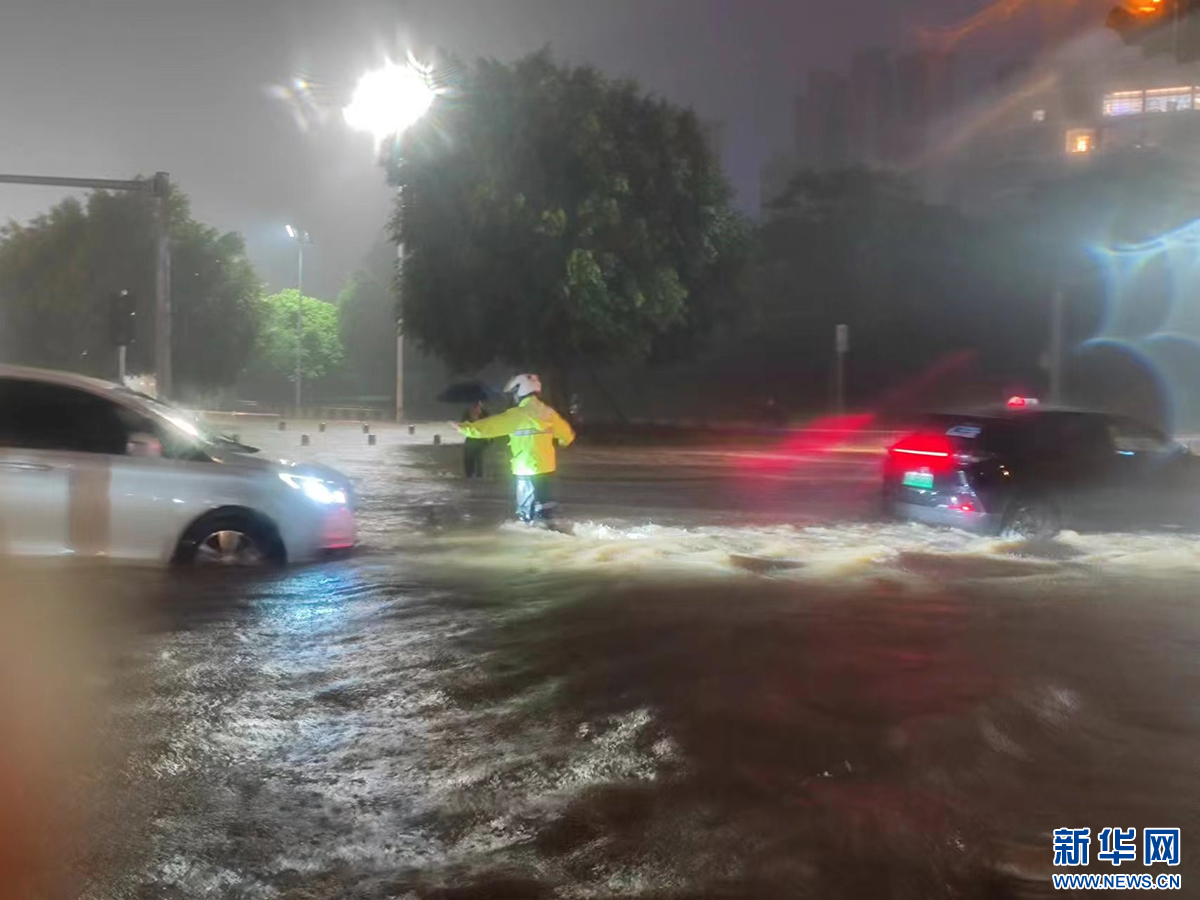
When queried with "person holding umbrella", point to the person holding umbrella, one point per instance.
{"points": [[473, 448], [532, 427], [474, 394]]}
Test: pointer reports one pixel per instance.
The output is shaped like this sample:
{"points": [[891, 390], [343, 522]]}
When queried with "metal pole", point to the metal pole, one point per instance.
{"points": [[841, 347], [299, 317], [399, 370], [840, 384], [160, 187], [1175, 31], [1057, 303], [162, 288], [400, 304], [99, 184], [121, 364]]}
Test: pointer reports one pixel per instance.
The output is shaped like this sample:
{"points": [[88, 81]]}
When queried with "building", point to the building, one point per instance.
{"points": [[1036, 124], [881, 113]]}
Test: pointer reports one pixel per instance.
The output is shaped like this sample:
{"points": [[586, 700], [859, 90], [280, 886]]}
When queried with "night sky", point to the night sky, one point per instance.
{"points": [[111, 88]]}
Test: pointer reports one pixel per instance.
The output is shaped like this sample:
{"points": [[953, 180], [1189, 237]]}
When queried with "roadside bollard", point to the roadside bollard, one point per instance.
{"points": [[370, 440], [366, 428], [304, 440], [437, 439], [282, 425], [321, 428], [412, 429]]}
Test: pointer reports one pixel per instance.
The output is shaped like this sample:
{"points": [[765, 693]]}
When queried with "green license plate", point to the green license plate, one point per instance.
{"points": [[922, 480]]}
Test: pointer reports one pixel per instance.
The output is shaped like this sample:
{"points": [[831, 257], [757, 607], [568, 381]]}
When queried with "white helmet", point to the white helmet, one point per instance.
{"points": [[521, 386]]}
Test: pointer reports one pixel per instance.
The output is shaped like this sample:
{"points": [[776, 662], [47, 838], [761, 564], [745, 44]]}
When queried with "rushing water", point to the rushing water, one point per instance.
{"points": [[722, 680]]}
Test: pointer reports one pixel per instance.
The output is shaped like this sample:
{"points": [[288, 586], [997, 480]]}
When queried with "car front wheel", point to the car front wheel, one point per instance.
{"points": [[230, 539]]}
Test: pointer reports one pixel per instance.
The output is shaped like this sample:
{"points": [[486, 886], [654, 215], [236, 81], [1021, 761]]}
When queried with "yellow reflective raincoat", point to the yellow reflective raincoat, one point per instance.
{"points": [[532, 427]]}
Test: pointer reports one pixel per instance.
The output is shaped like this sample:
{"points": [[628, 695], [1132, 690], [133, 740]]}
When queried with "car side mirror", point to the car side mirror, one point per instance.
{"points": [[141, 443]]}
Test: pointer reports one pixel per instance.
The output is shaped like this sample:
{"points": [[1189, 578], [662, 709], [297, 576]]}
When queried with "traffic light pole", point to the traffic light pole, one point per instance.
{"points": [[159, 187], [162, 286]]}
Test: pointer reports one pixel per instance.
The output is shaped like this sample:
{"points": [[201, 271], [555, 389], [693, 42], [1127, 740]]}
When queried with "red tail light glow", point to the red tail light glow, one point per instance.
{"points": [[913, 452], [922, 451], [932, 445]]}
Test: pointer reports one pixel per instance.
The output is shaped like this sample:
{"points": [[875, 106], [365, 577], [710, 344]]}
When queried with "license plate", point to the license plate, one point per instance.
{"points": [[922, 480]]}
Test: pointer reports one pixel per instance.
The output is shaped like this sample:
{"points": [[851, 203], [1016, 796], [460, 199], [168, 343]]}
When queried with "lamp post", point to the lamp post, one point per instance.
{"points": [[301, 239], [386, 103]]}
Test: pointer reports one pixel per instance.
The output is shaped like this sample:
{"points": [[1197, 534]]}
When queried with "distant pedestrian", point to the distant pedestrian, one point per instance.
{"points": [[474, 448], [532, 427]]}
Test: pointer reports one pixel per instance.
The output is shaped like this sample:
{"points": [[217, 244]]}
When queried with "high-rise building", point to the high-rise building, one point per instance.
{"points": [[1041, 122], [882, 112]]}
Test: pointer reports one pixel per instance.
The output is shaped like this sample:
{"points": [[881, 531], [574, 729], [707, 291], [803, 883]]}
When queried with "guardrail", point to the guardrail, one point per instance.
{"points": [[316, 413]]}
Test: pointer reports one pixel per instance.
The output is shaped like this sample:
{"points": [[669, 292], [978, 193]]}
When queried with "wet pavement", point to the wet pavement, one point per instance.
{"points": [[726, 679]]}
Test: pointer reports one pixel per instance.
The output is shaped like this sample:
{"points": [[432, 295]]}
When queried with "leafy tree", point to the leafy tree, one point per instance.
{"points": [[917, 283], [552, 215], [274, 365], [367, 327], [57, 272]]}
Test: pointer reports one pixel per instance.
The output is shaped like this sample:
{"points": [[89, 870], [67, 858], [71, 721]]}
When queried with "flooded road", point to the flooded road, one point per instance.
{"points": [[726, 680]]}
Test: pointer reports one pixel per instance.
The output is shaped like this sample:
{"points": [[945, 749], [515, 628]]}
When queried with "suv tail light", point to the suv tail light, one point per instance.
{"points": [[932, 450]]}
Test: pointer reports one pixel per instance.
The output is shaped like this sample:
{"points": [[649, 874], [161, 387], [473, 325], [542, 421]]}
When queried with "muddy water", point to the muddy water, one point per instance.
{"points": [[724, 680]]}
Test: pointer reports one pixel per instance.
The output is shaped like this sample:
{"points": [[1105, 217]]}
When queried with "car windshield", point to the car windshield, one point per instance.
{"points": [[185, 427]]}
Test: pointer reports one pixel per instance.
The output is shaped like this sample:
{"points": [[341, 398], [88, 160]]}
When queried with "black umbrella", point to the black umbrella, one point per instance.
{"points": [[469, 392]]}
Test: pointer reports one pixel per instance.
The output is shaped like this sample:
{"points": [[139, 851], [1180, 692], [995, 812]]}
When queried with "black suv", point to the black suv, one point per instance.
{"points": [[1033, 471]]}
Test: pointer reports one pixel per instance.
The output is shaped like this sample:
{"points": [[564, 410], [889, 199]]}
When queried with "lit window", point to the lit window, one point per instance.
{"points": [[1039, 115], [1169, 99], [1080, 141], [1124, 103]]}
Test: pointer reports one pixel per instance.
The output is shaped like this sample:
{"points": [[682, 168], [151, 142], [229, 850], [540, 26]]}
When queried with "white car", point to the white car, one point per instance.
{"points": [[92, 469]]}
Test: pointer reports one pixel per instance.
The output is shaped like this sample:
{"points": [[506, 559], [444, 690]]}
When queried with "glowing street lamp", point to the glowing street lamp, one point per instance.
{"points": [[386, 103], [390, 100]]}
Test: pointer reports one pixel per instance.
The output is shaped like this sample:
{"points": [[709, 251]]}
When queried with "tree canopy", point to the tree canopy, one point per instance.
{"points": [[274, 364], [57, 272], [550, 214], [917, 283]]}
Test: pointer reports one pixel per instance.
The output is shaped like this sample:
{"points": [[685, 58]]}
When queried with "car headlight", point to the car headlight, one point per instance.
{"points": [[318, 490]]}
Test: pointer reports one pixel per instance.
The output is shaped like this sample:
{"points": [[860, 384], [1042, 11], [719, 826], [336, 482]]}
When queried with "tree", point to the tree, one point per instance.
{"points": [[917, 284], [274, 365], [367, 327], [57, 272], [551, 215]]}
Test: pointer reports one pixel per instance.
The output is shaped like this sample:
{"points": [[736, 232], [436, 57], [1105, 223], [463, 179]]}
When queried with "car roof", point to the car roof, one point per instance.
{"points": [[1010, 414], [55, 376]]}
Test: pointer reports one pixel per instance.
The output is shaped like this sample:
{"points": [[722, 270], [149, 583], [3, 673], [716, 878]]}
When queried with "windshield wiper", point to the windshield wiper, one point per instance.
{"points": [[237, 446]]}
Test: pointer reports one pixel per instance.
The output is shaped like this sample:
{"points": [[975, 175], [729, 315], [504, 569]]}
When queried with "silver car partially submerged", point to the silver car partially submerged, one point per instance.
{"points": [[89, 468]]}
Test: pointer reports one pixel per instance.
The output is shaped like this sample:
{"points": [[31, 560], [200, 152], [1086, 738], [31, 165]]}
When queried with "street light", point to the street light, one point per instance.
{"points": [[301, 238], [390, 100], [386, 103]]}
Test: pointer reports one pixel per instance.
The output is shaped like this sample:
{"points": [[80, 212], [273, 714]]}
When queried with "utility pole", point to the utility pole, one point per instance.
{"points": [[400, 305], [841, 348], [1057, 304], [299, 323], [301, 238], [160, 188], [162, 286]]}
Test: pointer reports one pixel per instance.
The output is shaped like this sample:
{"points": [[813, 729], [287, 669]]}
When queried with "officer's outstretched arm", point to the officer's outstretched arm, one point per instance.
{"points": [[563, 432], [499, 425]]}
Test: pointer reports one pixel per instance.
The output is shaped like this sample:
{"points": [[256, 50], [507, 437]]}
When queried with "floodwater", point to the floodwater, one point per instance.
{"points": [[725, 679]]}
